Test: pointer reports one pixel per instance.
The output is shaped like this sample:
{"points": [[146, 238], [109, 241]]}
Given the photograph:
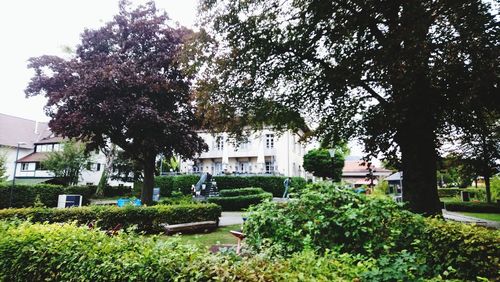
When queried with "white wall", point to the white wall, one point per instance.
{"points": [[10, 153]]}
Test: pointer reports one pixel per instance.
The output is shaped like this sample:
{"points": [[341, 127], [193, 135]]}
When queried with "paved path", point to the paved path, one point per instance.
{"points": [[231, 218], [448, 215]]}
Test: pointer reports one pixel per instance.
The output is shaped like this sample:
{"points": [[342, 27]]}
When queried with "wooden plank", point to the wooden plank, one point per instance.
{"points": [[189, 227]]}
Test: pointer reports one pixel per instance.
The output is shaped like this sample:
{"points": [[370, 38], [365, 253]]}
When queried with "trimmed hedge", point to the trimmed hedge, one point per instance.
{"points": [[238, 203], [43, 252], [119, 190], [271, 184], [25, 195], [472, 207], [145, 218], [448, 192], [241, 192]]}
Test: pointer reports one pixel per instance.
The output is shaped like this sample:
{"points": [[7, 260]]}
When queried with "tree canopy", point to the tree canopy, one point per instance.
{"points": [[124, 83], [321, 163], [394, 73]]}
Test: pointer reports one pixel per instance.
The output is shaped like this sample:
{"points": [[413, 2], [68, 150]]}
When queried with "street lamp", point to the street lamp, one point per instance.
{"points": [[15, 169]]}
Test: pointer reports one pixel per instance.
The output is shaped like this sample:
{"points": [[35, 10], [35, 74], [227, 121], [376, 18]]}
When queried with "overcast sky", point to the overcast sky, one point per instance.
{"points": [[31, 28]]}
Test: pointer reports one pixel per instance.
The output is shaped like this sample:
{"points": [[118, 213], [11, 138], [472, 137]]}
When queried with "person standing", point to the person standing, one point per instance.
{"points": [[286, 183]]}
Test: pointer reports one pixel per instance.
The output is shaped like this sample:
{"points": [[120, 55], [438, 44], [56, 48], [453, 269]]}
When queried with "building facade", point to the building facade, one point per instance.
{"points": [[265, 152]]}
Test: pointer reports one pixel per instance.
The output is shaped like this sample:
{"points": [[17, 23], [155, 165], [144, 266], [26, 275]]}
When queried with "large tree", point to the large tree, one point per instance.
{"points": [[394, 73], [124, 84]]}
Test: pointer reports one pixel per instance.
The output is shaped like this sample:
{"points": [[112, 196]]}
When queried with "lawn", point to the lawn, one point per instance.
{"points": [[220, 236], [486, 216]]}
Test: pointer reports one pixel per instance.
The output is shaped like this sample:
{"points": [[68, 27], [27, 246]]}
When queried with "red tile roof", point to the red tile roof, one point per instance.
{"points": [[33, 157], [15, 129]]}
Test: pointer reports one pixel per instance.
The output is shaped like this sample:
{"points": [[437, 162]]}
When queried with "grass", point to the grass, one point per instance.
{"points": [[219, 236], [486, 216]]}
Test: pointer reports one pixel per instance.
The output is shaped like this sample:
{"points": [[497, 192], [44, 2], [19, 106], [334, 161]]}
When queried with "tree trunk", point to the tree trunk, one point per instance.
{"points": [[149, 177], [419, 173], [488, 191]]}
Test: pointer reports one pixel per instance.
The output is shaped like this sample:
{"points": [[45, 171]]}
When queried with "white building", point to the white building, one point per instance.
{"points": [[265, 152], [36, 141]]}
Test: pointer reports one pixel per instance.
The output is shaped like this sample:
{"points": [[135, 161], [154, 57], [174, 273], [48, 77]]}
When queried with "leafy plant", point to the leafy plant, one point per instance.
{"points": [[67, 164]]}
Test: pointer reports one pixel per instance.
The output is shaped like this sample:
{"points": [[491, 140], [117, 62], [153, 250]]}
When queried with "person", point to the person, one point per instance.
{"points": [[286, 183]]}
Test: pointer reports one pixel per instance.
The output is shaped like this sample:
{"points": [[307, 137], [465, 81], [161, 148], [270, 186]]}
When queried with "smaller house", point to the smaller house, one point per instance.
{"points": [[30, 168], [356, 173]]}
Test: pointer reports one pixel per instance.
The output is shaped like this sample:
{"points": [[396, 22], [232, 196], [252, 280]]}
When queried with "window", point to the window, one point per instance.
{"points": [[56, 147], [219, 143], [269, 141], [197, 166], [243, 146], [24, 166], [217, 168], [39, 166], [269, 167], [243, 167], [93, 166]]}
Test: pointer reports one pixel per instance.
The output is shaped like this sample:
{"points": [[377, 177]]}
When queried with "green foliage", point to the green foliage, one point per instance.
{"points": [[25, 195], [321, 164], [3, 168], [381, 189], [472, 207], [166, 185], [145, 219], [44, 252], [271, 184], [471, 251], [238, 203], [329, 217], [241, 192], [68, 163], [448, 192], [86, 191], [495, 187]]}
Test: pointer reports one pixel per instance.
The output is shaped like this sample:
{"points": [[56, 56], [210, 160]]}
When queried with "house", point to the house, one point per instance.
{"points": [[355, 172], [19, 132], [36, 141], [265, 152]]}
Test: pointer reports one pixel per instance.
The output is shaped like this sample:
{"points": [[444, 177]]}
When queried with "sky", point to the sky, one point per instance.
{"points": [[31, 28]]}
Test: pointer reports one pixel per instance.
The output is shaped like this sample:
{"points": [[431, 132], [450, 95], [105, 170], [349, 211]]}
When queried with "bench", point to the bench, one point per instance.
{"points": [[190, 227]]}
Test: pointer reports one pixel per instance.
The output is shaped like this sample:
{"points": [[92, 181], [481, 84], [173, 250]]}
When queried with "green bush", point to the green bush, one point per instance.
{"points": [[166, 185], [182, 183], [25, 195], [241, 192], [473, 207], [145, 218], [332, 218], [43, 252], [86, 191], [238, 203], [118, 190], [448, 192]]}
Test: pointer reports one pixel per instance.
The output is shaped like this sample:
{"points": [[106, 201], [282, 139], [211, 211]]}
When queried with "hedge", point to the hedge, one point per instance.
{"points": [[25, 195], [44, 252], [271, 184], [448, 192], [473, 207], [238, 203], [106, 217], [241, 192]]}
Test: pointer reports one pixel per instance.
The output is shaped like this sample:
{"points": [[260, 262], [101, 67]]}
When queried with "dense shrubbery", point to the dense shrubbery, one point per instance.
{"points": [[238, 203], [25, 195], [37, 252], [472, 207], [448, 192], [145, 218], [271, 184], [241, 192], [330, 218]]}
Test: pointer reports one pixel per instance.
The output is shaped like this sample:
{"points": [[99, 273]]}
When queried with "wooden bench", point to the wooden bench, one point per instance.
{"points": [[190, 227]]}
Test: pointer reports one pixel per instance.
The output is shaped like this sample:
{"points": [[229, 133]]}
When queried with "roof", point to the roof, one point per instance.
{"points": [[16, 129], [33, 157], [50, 140], [351, 166], [397, 176]]}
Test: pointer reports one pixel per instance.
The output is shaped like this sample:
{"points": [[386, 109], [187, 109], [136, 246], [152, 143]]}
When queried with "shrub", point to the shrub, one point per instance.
{"points": [[166, 184], [145, 218], [44, 252], [448, 192], [86, 191], [25, 195], [182, 183], [119, 190], [241, 192], [238, 203], [331, 218], [472, 207]]}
